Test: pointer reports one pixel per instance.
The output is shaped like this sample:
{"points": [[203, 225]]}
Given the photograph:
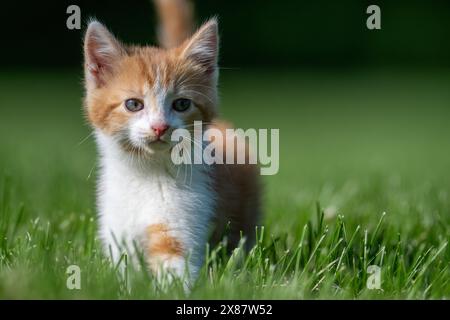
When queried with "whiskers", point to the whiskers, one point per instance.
{"points": [[94, 166], [136, 154], [187, 157], [145, 158], [198, 93], [85, 139]]}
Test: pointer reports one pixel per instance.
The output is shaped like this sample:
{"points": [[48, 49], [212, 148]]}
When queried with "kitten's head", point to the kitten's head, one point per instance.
{"points": [[139, 95]]}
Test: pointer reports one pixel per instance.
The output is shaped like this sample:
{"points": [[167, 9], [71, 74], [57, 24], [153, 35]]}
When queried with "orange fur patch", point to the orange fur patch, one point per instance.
{"points": [[160, 243], [239, 189]]}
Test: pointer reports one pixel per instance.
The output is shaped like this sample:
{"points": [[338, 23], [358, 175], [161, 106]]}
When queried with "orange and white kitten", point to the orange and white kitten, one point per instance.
{"points": [[135, 98]]}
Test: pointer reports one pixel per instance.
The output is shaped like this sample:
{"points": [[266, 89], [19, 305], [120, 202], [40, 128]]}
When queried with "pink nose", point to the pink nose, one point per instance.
{"points": [[159, 129]]}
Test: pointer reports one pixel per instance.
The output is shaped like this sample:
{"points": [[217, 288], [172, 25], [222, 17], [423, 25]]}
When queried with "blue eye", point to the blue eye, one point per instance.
{"points": [[134, 105], [181, 104]]}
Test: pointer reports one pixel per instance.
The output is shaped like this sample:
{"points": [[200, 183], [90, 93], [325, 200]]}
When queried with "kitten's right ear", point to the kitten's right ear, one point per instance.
{"points": [[101, 51]]}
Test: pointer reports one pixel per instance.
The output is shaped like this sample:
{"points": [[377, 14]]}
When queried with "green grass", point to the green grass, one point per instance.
{"points": [[353, 146]]}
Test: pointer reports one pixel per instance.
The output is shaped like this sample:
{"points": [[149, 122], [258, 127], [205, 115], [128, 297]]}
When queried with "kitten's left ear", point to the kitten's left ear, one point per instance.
{"points": [[203, 47]]}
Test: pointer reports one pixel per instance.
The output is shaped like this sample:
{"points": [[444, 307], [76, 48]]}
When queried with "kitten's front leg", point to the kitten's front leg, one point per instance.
{"points": [[167, 255]]}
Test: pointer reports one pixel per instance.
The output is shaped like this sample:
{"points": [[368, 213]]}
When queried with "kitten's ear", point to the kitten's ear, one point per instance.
{"points": [[101, 51], [203, 47]]}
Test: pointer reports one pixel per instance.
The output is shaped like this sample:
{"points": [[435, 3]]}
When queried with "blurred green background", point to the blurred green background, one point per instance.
{"points": [[264, 34], [363, 118], [337, 129]]}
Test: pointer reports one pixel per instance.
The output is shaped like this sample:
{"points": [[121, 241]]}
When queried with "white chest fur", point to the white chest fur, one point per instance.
{"points": [[133, 195]]}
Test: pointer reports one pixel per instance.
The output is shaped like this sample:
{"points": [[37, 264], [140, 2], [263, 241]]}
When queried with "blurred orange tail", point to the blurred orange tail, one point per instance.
{"points": [[176, 21]]}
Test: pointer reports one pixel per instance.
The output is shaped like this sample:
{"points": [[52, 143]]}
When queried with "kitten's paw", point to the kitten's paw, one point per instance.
{"points": [[174, 265], [167, 255], [173, 269]]}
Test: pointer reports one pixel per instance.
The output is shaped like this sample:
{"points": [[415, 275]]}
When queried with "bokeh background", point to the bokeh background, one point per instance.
{"points": [[261, 34], [363, 115]]}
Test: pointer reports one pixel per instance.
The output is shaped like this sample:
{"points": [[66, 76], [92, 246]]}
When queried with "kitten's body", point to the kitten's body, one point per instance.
{"points": [[146, 202], [136, 194]]}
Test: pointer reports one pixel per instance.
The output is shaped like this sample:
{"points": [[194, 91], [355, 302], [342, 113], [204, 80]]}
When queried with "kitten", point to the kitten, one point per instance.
{"points": [[135, 98]]}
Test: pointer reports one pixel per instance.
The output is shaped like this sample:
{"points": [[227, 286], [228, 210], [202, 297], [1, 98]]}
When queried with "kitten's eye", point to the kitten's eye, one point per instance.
{"points": [[134, 105], [181, 104]]}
